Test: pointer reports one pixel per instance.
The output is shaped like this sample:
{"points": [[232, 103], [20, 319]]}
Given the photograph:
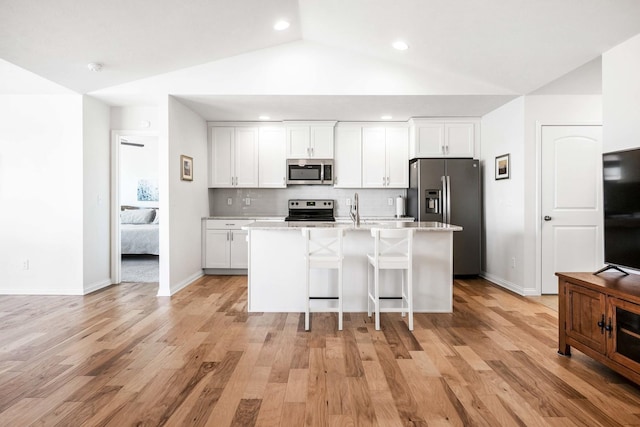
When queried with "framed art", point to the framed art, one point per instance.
{"points": [[503, 167], [186, 168]]}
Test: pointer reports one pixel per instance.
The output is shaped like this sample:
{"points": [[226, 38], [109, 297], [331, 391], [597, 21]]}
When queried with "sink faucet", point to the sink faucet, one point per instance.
{"points": [[354, 211]]}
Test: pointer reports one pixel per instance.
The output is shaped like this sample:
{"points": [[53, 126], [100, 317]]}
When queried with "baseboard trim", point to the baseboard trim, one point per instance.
{"points": [[503, 283], [97, 286], [180, 285]]}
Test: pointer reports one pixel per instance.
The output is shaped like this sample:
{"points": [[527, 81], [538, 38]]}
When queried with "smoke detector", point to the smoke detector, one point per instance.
{"points": [[94, 66]]}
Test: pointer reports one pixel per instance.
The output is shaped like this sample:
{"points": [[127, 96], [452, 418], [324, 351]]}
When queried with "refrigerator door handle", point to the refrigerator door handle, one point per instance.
{"points": [[448, 199], [443, 200]]}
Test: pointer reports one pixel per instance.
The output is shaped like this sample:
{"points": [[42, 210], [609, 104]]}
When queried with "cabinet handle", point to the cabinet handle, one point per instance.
{"points": [[311, 151], [442, 149], [601, 325], [384, 181], [609, 328], [231, 234]]}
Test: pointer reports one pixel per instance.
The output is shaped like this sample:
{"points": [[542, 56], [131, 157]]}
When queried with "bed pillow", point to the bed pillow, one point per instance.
{"points": [[136, 216], [156, 218]]}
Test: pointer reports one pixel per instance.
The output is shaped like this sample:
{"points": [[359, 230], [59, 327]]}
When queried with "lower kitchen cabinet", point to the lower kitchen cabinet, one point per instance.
{"points": [[600, 316], [224, 245]]}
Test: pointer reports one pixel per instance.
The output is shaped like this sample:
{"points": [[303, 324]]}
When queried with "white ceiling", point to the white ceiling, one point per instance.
{"points": [[517, 46]]}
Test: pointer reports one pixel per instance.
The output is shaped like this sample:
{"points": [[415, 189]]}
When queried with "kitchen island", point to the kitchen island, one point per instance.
{"points": [[276, 266]]}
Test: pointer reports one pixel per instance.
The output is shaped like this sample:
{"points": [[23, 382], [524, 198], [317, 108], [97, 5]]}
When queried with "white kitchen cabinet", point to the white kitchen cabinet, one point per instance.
{"points": [[348, 157], [233, 155], [385, 157], [448, 138], [272, 158], [224, 244], [310, 140]]}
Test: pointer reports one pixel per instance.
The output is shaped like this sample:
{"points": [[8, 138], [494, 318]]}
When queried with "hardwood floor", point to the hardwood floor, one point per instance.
{"points": [[122, 357]]}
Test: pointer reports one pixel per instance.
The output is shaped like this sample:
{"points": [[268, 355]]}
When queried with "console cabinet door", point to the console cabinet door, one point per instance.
{"points": [[217, 251], [272, 158], [348, 162], [459, 139], [321, 142], [221, 157], [298, 139], [246, 157], [624, 341], [585, 308], [374, 162], [397, 157]]}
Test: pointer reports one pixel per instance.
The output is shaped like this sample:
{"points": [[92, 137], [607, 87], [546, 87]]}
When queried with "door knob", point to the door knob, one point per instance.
{"points": [[547, 218]]}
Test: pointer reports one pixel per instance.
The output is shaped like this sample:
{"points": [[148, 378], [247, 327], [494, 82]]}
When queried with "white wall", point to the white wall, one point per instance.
{"points": [[41, 194], [503, 200], [96, 155], [185, 201], [139, 118], [621, 96], [137, 163], [541, 110]]}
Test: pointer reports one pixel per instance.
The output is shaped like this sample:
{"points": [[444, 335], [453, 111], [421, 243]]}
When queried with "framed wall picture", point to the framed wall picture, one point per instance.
{"points": [[503, 167], [186, 168]]}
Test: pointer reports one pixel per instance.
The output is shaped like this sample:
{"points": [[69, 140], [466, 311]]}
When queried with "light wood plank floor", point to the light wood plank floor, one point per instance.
{"points": [[122, 356]]}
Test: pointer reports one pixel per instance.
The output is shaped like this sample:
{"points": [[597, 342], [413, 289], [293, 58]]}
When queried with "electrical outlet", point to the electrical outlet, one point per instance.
{"points": [[229, 201], [513, 262], [390, 201], [247, 201], [25, 264], [348, 201]]}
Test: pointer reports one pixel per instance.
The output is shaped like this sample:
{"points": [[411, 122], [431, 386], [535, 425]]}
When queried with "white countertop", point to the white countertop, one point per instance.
{"points": [[296, 225]]}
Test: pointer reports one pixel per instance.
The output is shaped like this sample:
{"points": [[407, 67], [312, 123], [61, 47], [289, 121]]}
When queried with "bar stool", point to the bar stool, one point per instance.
{"points": [[323, 249], [393, 250]]}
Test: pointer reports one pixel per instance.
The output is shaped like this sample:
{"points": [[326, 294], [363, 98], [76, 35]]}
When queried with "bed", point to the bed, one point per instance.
{"points": [[139, 231]]}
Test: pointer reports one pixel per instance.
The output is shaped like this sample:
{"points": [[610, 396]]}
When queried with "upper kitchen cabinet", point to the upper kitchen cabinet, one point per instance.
{"points": [[444, 137], [385, 157], [348, 161], [306, 140], [233, 157], [272, 158]]}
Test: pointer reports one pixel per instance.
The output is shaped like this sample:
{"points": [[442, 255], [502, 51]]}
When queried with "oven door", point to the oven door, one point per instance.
{"points": [[310, 172]]}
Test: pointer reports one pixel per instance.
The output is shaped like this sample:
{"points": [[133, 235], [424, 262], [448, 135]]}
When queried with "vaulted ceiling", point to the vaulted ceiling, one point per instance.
{"points": [[506, 46]]}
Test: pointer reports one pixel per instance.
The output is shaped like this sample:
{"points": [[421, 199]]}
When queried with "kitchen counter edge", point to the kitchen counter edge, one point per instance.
{"points": [[297, 225]]}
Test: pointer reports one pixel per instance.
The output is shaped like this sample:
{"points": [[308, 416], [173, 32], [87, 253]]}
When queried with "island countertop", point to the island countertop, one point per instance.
{"points": [[367, 226]]}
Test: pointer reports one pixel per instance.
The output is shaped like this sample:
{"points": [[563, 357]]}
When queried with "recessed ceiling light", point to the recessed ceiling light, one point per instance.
{"points": [[400, 45], [387, 117], [94, 66], [264, 117], [281, 25]]}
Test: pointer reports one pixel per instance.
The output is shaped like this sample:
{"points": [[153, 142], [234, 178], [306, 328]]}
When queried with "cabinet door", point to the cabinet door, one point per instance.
{"points": [[246, 157], [348, 161], [624, 339], [397, 149], [459, 139], [374, 172], [430, 140], [272, 154], [298, 142], [321, 142], [221, 156], [585, 308], [239, 250], [217, 249]]}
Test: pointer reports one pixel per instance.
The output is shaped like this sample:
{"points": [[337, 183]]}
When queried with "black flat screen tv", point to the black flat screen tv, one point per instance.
{"points": [[621, 192]]}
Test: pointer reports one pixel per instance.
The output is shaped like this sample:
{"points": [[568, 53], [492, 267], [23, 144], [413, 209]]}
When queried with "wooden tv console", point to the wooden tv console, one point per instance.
{"points": [[600, 316]]}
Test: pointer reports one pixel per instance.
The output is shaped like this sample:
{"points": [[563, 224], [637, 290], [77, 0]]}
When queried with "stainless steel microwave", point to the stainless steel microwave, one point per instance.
{"points": [[310, 171]]}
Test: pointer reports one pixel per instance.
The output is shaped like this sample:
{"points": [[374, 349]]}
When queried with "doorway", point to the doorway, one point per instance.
{"points": [[136, 201], [571, 202]]}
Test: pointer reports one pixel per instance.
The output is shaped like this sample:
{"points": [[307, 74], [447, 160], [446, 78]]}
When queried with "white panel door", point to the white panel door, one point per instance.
{"points": [[430, 140], [374, 170], [397, 157], [348, 161], [246, 157], [272, 158], [321, 142], [221, 148], [572, 216], [239, 249], [298, 142], [460, 139], [217, 249]]}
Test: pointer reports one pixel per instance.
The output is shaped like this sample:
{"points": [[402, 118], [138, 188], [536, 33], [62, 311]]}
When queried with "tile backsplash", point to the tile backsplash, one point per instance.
{"points": [[273, 201]]}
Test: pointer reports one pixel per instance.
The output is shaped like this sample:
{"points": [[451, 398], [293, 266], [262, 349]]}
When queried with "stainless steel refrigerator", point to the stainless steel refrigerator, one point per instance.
{"points": [[448, 190]]}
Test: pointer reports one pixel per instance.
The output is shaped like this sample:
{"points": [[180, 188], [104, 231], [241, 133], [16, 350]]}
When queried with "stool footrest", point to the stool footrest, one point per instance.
{"points": [[324, 297]]}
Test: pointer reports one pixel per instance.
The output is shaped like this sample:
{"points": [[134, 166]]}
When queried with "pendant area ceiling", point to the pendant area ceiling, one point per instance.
{"points": [[518, 45]]}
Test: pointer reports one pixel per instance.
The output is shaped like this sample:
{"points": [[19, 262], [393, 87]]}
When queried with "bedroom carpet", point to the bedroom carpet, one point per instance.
{"points": [[140, 268]]}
